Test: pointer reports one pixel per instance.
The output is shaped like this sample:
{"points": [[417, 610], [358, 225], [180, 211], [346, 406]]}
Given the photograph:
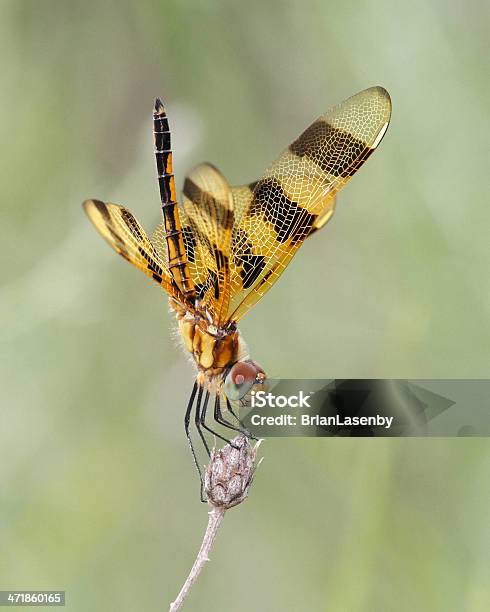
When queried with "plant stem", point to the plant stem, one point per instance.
{"points": [[216, 516]]}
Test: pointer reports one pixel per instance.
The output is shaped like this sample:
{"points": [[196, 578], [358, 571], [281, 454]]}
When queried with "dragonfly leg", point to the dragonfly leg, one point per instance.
{"points": [[243, 430], [230, 409], [198, 420], [203, 423], [187, 420], [218, 416]]}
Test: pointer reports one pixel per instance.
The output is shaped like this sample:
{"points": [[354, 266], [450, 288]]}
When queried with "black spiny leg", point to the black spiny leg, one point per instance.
{"points": [[187, 420], [203, 421], [243, 430], [219, 418], [198, 420]]}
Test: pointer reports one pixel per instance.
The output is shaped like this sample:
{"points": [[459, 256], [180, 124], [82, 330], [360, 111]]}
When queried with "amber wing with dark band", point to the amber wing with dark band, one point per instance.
{"points": [[128, 238], [296, 196]]}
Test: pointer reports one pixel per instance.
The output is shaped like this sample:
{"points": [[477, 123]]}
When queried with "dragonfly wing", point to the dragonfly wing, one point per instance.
{"points": [[296, 195], [207, 213], [127, 237], [242, 197]]}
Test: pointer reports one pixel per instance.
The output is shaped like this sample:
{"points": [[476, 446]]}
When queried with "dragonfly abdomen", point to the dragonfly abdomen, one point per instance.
{"points": [[176, 254]]}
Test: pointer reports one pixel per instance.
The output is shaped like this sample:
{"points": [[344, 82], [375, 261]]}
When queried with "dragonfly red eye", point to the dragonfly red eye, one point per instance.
{"points": [[241, 379], [243, 371]]}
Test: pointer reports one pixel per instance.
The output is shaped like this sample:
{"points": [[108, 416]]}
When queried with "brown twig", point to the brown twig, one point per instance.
{"points": [[226, 481], [216, 516]]}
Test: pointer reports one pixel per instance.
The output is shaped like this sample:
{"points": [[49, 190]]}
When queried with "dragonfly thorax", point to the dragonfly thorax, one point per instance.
{"points": [[214, 349]]}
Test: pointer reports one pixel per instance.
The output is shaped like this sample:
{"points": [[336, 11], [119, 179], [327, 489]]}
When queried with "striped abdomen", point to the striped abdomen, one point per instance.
{"points": [[177, 258]]}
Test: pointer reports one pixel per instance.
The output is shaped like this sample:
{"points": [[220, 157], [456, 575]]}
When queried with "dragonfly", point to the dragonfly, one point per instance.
{"points": [[219, 250]]}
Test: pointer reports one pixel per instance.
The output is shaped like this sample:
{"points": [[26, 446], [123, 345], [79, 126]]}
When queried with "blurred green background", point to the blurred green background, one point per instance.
{"points": [[97, 490]]}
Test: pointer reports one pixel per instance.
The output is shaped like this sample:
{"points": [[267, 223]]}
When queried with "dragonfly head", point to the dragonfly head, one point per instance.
{"points": [[242, 378]]}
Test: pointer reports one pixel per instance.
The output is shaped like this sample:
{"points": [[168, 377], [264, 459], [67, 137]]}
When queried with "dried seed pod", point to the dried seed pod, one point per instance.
{"points": [[230, 473]]}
